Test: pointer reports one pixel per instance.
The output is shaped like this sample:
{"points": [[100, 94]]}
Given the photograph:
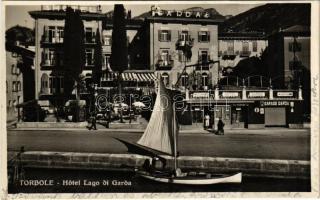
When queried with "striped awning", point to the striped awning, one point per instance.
{"points": [[138, 76]]}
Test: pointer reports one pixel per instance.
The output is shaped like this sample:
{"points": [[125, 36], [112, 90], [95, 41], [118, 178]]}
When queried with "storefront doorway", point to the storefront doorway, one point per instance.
{"points": [[223, 112]]}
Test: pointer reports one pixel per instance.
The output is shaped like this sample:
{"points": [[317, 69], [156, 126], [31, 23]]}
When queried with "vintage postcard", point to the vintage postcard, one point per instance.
{"points": [[163, 99]]}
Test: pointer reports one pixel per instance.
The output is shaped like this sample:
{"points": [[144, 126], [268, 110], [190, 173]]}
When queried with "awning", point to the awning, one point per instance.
{"points": [[138, 76]]}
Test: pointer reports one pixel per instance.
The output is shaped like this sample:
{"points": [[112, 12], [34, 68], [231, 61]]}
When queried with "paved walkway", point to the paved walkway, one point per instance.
{"points": [[191, 131], [283, 144]]}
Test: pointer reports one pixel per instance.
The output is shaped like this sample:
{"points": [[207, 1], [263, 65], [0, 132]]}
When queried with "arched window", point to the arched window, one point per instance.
{"points": [[184, 79], [44, 84], [165, 77], [204, 79]]}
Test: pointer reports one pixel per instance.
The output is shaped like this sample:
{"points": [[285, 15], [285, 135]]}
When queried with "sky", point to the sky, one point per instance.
{"points": [[18, 14]]}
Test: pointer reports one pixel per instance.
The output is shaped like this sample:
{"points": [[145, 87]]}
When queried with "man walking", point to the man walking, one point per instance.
{"points": [[220, 127], [93, 121]]}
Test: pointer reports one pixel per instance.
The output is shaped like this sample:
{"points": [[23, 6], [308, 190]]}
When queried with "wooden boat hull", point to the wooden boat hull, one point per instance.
{"points": [[194, 180]]}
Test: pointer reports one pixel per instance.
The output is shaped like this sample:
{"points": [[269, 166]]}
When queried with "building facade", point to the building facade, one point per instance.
{"points": [[167, 33], [49, 36], [19, 77], [289, 55]]}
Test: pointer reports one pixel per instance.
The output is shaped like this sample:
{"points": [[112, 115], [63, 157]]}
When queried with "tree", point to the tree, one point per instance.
{"points": [[74, 51], [74, 55], [119, 49], [97, 71]]}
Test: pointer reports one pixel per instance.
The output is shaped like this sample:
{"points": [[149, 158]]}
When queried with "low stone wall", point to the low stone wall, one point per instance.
{"points": [[96, 161], [52, 124]]}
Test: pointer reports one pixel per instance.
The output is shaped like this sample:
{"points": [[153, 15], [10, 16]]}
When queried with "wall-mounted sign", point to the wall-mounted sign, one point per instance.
{"points": [[230, 94], [274, 103], [256, 110], [157, 12], [284, 94], [256, 94], [200, 95]]}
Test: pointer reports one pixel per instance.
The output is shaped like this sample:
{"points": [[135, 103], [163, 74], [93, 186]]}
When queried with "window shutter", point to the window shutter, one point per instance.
{"points": [[190, 80], [159, 35], [208, 36], [199, 36], [45, 31], [169, 35], [209, 79], [178, 76], [199, 81]]}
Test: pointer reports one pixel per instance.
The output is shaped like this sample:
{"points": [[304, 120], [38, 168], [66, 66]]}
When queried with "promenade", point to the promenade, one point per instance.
{"points": [[267, 152]]}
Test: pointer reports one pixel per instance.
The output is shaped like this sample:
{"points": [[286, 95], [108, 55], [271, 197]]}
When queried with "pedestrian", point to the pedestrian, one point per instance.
{"points": [[93, 121], [206, 122], [220, 127]]}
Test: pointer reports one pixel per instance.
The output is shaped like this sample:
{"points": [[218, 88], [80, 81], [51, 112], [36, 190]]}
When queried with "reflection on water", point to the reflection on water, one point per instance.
{"points": [[78, 181]]}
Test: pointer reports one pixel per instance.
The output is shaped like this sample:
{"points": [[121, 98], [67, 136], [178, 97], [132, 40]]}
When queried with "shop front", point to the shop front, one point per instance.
{"points": [[247, 109]]}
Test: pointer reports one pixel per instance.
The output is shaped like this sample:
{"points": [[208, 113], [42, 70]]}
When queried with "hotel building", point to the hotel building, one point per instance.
{"points": [[49, 35]]}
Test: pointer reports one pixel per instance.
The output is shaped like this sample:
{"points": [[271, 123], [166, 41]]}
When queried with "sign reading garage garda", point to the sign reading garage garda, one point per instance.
{"points": [[274, 103], [157, 12]]}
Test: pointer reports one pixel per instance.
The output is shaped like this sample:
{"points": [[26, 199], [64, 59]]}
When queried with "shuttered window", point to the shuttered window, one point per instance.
{"points": [[204, 36], [164, 35]]}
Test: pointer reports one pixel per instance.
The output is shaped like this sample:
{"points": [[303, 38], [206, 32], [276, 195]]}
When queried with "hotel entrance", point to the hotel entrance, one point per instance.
{"points": [[239, 117]]}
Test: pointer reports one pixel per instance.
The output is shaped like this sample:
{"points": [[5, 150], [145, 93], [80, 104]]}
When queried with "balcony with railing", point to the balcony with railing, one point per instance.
{"points": [[45, 39], [90, 40], [51, 63], [181, 44], [164, 64]]}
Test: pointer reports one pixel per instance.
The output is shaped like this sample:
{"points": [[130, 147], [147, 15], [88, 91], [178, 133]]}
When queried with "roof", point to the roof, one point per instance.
{"points": [[297, 29], [60, 14], [23, 51], [184, 20], [242, 35]]}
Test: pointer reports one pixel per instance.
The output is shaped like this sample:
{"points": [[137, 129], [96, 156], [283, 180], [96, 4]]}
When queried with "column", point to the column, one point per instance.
{"points": [[216, 94], [300, 93], [187, 94], [270, 93], [244, 93]]}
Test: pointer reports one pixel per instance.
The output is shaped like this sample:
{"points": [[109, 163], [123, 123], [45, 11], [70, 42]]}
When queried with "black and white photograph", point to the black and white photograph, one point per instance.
{"points": [[160, 98]]}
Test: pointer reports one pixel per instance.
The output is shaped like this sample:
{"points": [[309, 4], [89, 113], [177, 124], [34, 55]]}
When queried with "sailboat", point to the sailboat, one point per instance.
{"points": [[160, 139]]}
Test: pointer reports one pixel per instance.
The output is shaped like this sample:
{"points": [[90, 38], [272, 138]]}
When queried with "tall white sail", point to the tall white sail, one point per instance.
{"points": [[162, 129]]}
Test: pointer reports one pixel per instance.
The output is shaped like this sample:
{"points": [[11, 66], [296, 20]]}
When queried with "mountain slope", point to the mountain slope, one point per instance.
{"points": [[269, 18]]}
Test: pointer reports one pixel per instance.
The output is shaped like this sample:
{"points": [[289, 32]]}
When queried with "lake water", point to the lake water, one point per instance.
{"points": [[89, 181]]}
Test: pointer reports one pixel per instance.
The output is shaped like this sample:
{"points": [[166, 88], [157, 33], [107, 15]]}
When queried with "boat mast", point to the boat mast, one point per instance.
{"points": [[175, 137]]}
